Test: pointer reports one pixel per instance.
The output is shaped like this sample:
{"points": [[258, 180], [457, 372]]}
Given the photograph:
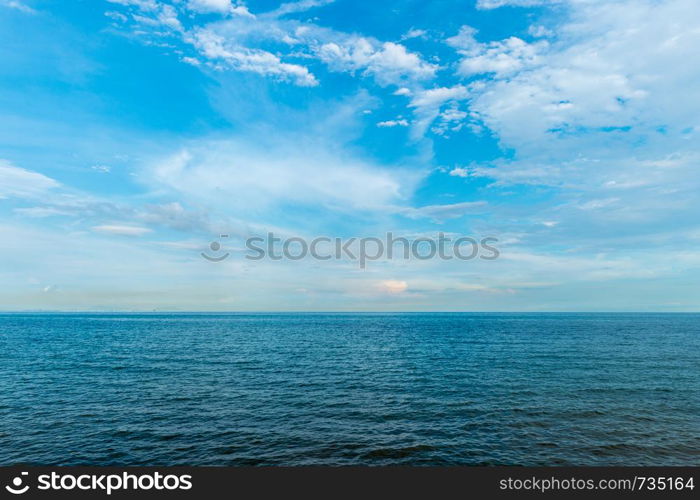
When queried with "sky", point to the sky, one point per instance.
{"points": [[133, 133]]}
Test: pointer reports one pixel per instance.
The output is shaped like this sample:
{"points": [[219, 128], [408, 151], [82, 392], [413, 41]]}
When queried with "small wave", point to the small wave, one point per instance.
{"points": [[399, 452]]}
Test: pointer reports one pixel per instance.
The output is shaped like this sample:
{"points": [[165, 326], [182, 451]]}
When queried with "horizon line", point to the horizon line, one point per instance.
{"points": [[171, 311]]}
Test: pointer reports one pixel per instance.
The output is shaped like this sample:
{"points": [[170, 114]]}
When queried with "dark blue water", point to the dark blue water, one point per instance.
{"points": [[341, 389]]}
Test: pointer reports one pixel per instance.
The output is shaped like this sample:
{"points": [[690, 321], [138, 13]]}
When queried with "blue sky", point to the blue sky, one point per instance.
{"points": [[133, 132]]}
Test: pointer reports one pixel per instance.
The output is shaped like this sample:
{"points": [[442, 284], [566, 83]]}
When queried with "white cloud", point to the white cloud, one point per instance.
{"points": [[389, 63], [393, 123], [219, 6], [20, 183], [452, 119], [192, 61], [116, 16], [246, 178], [242, 10], [414, 33], [175, 216], [300, 6], [41, 212], [441, 213], [210, 5], [608, 119], [215, 47], [592, 82], [453, 115], [494, 4], [434, 98], [141, 4], [16, 4], [122, 230], [241, 43], [427, 105], [392, 286], [152, 13], [168, 17], [539, 31], [502, 57]]}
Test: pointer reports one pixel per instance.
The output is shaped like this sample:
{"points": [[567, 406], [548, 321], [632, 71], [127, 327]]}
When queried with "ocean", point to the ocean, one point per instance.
{"points": [[350, 389]]}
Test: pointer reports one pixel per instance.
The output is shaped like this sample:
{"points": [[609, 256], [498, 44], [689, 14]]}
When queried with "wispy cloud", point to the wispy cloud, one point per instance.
{"points": [[18, 5], [495, 4], [299, 6], [21, 183], [440, 213], [122, 230]]}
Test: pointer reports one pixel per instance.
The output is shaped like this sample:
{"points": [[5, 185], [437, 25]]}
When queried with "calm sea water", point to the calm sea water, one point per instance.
{"points": [[348, 389]]}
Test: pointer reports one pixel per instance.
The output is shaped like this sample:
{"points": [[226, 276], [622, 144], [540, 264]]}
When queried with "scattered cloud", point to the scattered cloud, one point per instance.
{"points": [[414, 33], [242, 10], [240, 43], [216, 47], [221, 6], [389, 63], [459, 172], [503, 57], [393, 123], [392, 286], [539, 31], [192, 61], [146, 5], [427, 105]]}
